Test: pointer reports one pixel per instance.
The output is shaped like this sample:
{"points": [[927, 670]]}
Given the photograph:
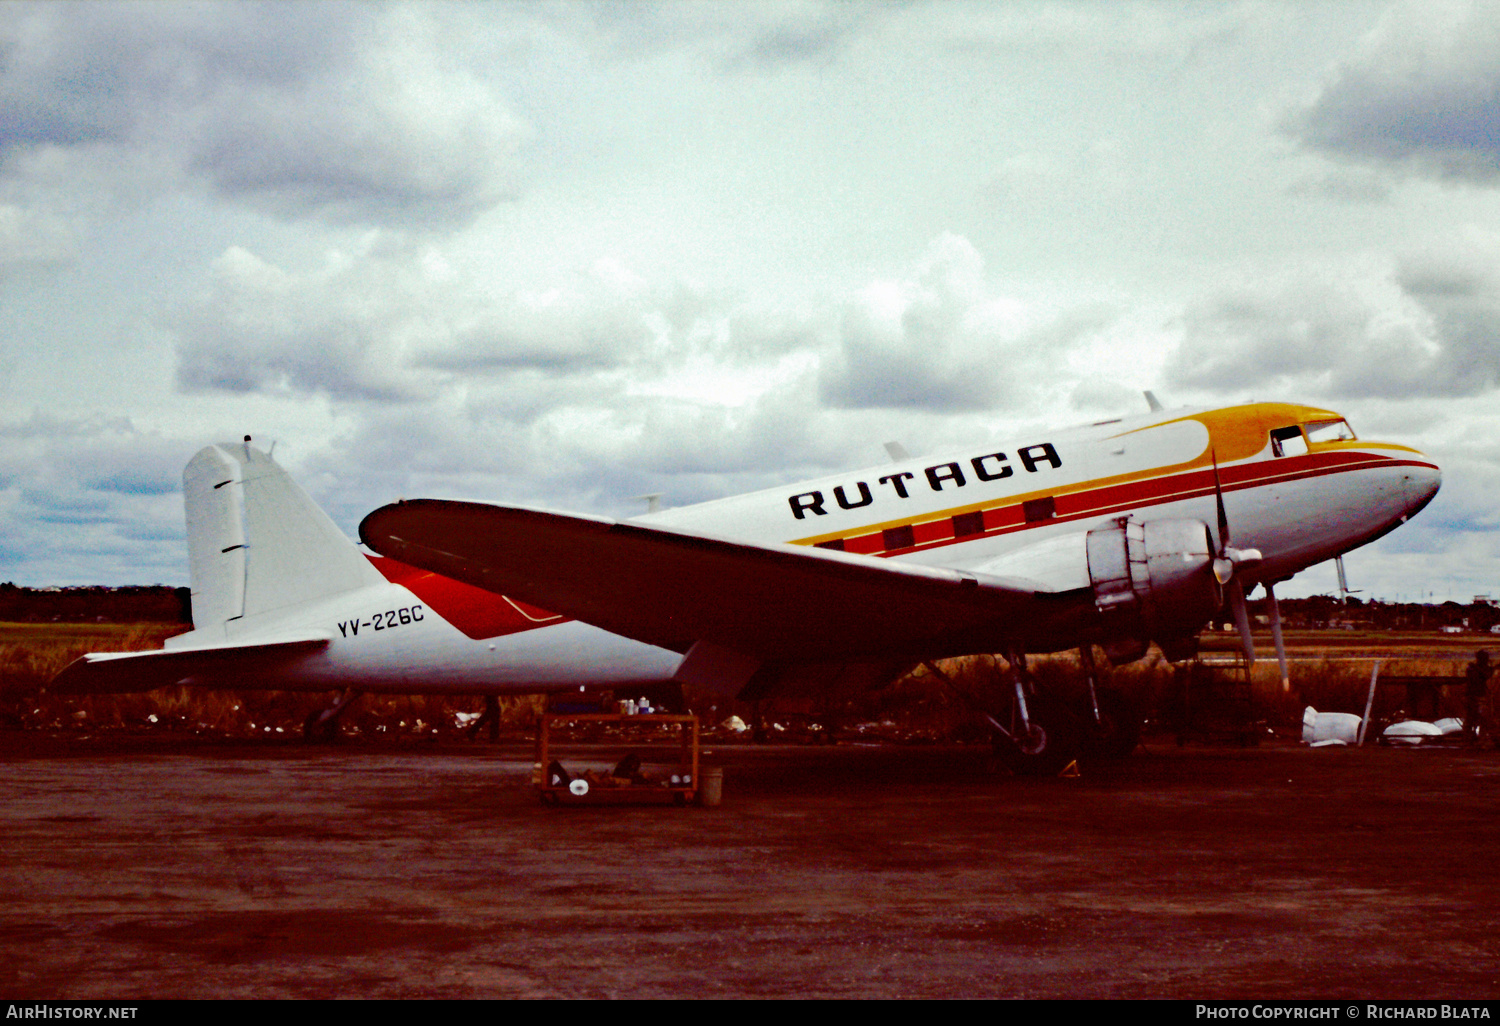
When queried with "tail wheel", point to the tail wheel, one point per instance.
{"points": [[319, 730], [1116, 732], [1046, 746]]}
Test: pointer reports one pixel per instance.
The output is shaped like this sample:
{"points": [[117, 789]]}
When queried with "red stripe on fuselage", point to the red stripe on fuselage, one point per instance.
{"points": [[478, 613], [937, 530]]}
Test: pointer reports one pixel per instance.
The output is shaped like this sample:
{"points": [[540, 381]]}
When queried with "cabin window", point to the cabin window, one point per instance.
{"points": [[966, 525], [902, 537], [1044, 508], [1288, 441], [1329, 431]]}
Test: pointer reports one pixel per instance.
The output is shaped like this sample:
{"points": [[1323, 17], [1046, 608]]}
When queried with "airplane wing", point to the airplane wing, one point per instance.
{"points": [[111, 672], [676, 589]]}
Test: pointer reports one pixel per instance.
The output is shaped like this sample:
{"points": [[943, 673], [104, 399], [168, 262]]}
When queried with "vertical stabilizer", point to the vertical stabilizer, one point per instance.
{"points": [[212, 500], [257, 542]]}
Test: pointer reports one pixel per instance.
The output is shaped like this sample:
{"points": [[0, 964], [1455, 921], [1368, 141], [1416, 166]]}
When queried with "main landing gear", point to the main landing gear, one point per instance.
{"points": [[1038, 733], [1111, 721], [1041, 739]]}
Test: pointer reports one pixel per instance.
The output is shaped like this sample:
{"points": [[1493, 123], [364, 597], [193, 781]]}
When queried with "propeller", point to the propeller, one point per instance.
{"points": [[1275, 610], [1227, 566]]}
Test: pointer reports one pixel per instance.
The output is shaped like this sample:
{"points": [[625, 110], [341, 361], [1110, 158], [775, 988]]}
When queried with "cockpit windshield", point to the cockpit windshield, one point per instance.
{"points": [[1288, 441], [1329, 431]]}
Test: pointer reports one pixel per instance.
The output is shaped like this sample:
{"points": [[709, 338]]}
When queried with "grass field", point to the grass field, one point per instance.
{"points": [[32, 654], [1330, 670]]}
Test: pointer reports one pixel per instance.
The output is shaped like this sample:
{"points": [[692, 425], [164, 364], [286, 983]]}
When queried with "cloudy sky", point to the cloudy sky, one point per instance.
{"points": [[570, 253]]}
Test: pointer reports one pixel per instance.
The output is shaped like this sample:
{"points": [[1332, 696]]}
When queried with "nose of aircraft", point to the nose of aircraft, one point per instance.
{"points": [[1423, 479]]}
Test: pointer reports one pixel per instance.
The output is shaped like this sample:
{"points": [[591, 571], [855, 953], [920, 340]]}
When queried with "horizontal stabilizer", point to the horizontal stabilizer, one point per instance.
{"points": [[674, 589], [110, 672]]}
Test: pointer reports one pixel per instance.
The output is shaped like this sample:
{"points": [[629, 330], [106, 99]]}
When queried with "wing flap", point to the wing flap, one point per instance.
{"points": [[674, 589], [111, 672]]}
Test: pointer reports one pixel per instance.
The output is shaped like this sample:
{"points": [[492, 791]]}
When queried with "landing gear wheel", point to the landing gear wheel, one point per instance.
{"points": [[1117, 731], [1047, 747]]}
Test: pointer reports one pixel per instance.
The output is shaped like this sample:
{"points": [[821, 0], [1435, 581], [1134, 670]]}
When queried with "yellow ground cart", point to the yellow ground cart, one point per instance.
{"points": [[640, 778]]}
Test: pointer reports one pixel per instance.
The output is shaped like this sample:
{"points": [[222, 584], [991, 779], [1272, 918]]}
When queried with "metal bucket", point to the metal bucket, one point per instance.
{"points": [[710, 786]]}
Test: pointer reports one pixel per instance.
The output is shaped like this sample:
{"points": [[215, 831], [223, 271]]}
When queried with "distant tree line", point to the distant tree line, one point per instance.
{"points": [[155, 603], [1323, 611]]}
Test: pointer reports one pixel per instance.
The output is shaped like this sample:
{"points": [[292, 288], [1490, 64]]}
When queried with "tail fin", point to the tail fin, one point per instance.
{"points": [[256, 541]]}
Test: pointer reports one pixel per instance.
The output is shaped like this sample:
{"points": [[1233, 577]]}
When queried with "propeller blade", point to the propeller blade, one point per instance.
{"points": [[1275, 610], [1236, 594], [1226, 563], [1219, 501], [1229, 559]]}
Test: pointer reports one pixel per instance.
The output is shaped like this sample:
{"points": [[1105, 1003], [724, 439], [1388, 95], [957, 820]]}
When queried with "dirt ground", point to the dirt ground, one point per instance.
{"points": [[154, 867]]}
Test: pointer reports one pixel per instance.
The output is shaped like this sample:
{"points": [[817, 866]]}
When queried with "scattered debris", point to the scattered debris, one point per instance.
{"points": [[1409, 732], [1325, 729], [1419, 732]]}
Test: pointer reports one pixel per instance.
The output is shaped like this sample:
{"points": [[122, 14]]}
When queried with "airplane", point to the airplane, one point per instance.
{"points": [[1115, 534], [1118, 534]]}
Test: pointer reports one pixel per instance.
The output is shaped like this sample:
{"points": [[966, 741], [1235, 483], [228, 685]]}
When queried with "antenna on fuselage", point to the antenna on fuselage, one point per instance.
{"points": [[897, 452], [653, 501], [1152, 401]]}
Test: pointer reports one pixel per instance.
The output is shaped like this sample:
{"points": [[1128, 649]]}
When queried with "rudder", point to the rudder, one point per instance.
{"points": [[257, 542]]}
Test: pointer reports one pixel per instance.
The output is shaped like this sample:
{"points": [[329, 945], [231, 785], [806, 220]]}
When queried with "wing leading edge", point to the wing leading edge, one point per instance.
{"points": [[677, 590]]}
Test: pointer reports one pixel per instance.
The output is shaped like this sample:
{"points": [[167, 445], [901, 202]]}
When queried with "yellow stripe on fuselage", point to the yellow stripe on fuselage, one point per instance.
{"points": [[1235, 435]]}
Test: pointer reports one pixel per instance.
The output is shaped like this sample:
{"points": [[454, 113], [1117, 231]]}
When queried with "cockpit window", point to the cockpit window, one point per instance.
{"points": [[1287, 441], [1329, 431]]}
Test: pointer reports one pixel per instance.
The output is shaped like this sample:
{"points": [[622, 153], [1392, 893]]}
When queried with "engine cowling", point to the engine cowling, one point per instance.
{"points": [[1153, 580]]}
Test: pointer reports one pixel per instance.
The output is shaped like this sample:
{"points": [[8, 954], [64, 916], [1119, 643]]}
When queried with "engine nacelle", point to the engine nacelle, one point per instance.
{"points": [[1153, 581]]}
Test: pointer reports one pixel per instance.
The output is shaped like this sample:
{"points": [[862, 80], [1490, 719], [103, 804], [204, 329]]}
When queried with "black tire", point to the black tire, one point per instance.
{"points": [[1117, 731], [1050, 745]]}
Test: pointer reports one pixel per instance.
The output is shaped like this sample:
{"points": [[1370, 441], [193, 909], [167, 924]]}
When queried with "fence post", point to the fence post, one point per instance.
{"points": [[1369, 703]]}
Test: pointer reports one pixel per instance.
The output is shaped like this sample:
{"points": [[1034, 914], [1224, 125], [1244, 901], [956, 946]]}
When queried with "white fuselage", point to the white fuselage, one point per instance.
{"points": [[1298, 510], [1015, 511]]}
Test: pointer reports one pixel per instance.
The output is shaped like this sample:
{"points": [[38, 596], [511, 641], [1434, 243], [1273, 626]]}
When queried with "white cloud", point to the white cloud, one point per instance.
{"points": [[599, 319], [1418, 328], [397, 135], [89, 499], [1420, 96], [31, 236], [344, 330], [734, 37], [351, 113], [936, 340]]}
